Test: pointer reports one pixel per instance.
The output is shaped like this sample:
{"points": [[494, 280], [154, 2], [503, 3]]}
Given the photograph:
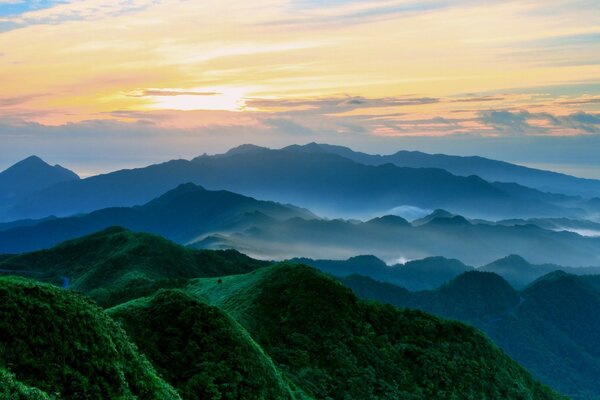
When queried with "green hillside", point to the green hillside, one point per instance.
{"points": [[200, 350], [116, 265], [551, 327], [273, 332], [60, 343], [335, 346]]}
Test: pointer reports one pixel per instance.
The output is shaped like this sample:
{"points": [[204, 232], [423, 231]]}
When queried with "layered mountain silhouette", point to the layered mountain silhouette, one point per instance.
{"points": [[488, 169], [432, 272], [392, 238], [326, 183], [551, 326], [427, 273], [182, 214], [207, 219]]}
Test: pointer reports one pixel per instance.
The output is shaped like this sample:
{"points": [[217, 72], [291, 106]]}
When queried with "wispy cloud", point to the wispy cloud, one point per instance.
{"points": [[378, 68]]}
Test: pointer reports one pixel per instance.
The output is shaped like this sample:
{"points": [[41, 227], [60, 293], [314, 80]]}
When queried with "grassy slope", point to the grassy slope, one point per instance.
{"points": [[59, 342], [200, 350], [116, 265], [335, 346]]}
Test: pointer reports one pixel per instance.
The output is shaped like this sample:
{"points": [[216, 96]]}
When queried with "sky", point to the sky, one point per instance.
{"points": [[101, 85]]}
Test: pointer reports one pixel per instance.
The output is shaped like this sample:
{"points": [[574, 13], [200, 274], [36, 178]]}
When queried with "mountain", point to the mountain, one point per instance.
{"points": [[183, 214], [332, 345], [490, 170], [427, 273], [326, 183], [519, 272], [432, 272], [581, 227], [391, 239], [30, 176], [57, 344], [550, 327], [116, 265], [199, 349], [195, 216]]}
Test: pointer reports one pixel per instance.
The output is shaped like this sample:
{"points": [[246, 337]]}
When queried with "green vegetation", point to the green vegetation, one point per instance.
{"points": [[335, 346], [282, 331], [116, 265], [59, 342], [201, 351], [551, 327], [12, 389]]}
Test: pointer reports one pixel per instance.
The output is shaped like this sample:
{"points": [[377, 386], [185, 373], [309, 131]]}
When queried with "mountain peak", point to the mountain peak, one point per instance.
{"points": [[28, 163], [33, 159], [456, 220], [180, 190], [513, 260], [245, 148], [35, 165], [389, 220], [31, 175]]}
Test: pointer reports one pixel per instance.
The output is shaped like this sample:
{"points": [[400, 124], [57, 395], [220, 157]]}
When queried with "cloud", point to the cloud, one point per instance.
{"points": [[506, 120], [477, 99], [523, 122], [13, 101], [166, 92], [288, 127], [583, 118], [53, 12]]}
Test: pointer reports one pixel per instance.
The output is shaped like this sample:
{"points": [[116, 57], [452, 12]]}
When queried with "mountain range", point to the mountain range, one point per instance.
{"points": [[488, 169], [329, 184], [192, 215], [182, 214]]}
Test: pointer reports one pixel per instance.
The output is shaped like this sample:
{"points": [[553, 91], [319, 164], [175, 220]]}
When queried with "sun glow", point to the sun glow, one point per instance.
{"points": [[214, 98]]}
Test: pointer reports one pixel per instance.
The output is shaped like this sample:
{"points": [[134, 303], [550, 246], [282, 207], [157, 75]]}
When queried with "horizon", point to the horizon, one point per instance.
{"points": [[82, 169], [143, 81]]}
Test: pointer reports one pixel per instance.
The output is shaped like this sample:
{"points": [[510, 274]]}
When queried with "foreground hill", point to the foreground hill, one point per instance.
{"points": [[327, 183], [490, 170], [58, 342], [281, 331], [333, 345], [551, 327], [115, 264], [200, 350]]}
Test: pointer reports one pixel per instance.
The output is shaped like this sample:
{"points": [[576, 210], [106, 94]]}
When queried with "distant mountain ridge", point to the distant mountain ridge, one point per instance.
{"points": [[208, 219], [488, 169], [324, 182], [432, 272], [391, 238], [30, 176]]}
